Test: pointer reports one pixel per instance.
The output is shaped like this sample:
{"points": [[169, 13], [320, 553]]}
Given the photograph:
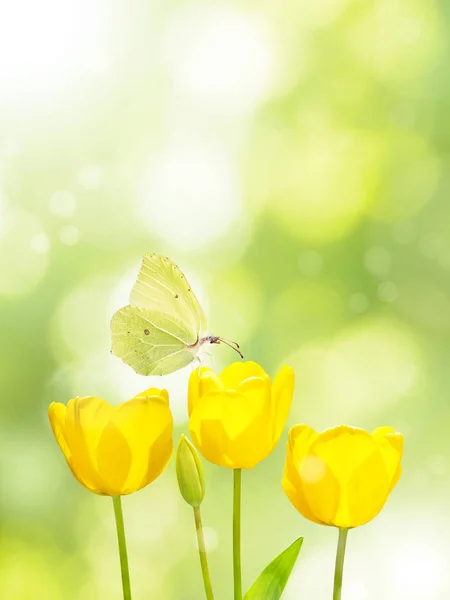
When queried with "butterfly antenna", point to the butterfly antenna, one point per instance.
{"points": [[230, 342], [230, 345]]}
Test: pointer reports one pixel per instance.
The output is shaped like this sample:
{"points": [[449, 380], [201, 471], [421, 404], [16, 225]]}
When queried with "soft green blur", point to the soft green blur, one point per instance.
{"points": [[293, 159]]}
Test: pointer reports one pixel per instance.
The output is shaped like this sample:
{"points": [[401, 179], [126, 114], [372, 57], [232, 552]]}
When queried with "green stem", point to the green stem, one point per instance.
{"points": [[339, 568], [202, 553], [237, 534], [117, 502]]}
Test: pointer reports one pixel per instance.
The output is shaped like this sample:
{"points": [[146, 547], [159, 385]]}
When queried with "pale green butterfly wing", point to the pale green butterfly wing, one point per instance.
{"points": [[156, 334], [150, 342], [161, 286]]}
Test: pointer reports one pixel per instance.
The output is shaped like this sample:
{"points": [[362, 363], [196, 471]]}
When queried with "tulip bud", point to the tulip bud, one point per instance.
{"points": [[190, 473]]}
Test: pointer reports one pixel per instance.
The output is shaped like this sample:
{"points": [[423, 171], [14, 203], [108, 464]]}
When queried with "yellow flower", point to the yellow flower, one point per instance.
{"points": [[115, 450], [236, 419], [343, 476]]}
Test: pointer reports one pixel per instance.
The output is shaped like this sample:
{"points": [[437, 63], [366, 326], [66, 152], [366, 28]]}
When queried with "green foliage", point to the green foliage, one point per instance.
{"points": [[272, 581]]}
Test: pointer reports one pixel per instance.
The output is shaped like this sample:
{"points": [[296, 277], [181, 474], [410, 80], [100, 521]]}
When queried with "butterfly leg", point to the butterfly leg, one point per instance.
{"points": [[197, 364], [211, 355]]}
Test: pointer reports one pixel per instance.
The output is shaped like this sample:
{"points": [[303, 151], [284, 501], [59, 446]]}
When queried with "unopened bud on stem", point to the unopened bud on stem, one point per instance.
{"points": [[190, 473]]}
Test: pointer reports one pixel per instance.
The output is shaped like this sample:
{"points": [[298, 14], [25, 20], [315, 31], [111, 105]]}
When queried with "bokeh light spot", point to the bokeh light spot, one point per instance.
{"points": [[409, 174], [404, 232], [310, 262], [312, 469], [40, 243], [378, 261], [42, 52], [62, 204], [366, 368], [190, 194], [220, 58], [81, 322], [69, 235], [24, 253], [323, 182], [411, 34], [358, 303], [387, 291], [317, 15], [235, 298], [90, 177]]}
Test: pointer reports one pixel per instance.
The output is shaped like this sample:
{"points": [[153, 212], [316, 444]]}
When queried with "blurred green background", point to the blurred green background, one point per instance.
{"points": [[292, 158]]}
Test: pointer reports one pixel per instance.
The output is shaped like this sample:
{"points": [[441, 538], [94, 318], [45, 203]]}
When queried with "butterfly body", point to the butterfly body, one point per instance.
{"points": [[164, 327]]}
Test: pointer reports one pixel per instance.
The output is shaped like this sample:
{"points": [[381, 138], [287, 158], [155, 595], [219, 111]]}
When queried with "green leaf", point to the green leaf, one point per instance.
{"points": [[272, 581]]}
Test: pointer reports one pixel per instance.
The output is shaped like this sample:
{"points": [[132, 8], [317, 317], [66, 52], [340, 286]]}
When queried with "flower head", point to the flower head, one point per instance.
{"points": [[115, 450], [342, 476], [237, 418]]}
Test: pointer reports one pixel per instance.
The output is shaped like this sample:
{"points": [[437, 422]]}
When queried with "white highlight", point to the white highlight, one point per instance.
{"points": [[368, 367], [312, 469], [190, 194], [43, 43], [91, 177], [62, 204], [40, 243], [211, 539], [69, 235], [220, 58]]}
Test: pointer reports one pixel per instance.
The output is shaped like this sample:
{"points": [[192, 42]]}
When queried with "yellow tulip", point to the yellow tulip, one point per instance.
{"points": [[237, 418], [343, 476], [118, 450]]}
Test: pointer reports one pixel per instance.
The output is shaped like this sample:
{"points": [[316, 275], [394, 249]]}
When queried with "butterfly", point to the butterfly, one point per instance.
{"points": [[164, 327]]}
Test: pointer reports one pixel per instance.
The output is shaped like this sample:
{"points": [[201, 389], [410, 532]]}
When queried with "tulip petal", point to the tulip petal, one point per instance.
{"points": [[343, 449], [193, 386], [57, 417], [209, 382], [333, 457], [320, 488], [300, 438], [207, 429], [210, 439], [282, 392], [236, 412], [381, 432], [163, 395], [252, 445], [158, 458], [390, 444], [292, 483], [257, 392], [396, 477], [114, 460], [86, 419], [226, 428], [353, 457], [237, 372], [256, 442], [146, 423], [365, 494]]}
